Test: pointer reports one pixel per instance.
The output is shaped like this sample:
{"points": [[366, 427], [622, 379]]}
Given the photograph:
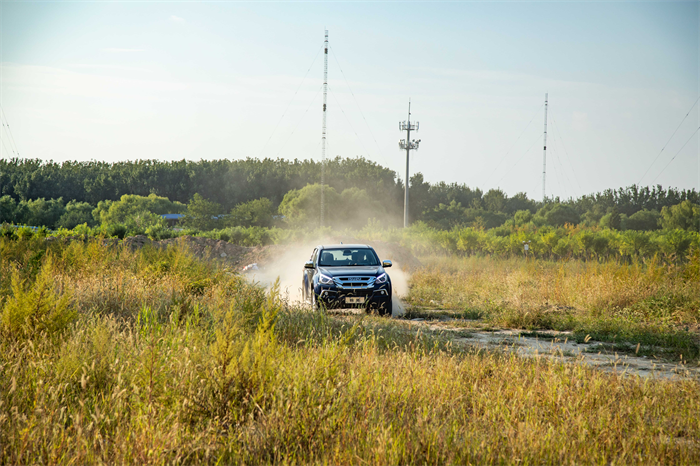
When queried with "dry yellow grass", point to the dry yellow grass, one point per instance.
{"points": [[192, 365]]}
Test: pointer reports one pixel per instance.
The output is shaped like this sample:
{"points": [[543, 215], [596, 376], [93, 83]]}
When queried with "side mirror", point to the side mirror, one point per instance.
{"points": [[386, 264], [309, 265]]}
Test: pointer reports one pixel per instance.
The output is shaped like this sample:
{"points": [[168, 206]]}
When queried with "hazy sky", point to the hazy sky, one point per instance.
{"points": [[195, 80]]}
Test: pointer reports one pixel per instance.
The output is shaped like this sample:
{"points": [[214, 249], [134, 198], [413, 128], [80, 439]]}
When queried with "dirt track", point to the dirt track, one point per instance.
{"points": [[286, 262]]}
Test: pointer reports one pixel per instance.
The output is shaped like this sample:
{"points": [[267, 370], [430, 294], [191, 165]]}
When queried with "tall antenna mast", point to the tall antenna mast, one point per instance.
{"points": [[408, 145], [323, 134], [544, 155]]}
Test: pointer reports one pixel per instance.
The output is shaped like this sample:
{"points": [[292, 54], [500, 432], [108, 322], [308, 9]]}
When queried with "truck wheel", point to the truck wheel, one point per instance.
{"points": [[386, 309]]}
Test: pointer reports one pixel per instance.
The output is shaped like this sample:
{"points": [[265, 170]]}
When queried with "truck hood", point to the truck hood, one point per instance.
{"points": [[351, 271]]}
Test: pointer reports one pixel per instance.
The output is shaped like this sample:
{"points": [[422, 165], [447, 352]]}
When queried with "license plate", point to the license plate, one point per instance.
{"points": [[354, 300]]}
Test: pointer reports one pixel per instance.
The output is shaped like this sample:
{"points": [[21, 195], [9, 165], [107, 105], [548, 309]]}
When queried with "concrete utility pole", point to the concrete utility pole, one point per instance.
{"points": [[323, 134], [408, 145], [544, 156]]}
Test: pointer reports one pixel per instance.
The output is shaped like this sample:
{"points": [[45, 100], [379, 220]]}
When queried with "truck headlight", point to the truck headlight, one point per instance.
{"points": [[324, 279], [383, 278]]}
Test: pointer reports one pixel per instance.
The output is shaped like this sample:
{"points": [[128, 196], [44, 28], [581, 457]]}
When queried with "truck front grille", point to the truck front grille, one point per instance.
{"points": [[354, 283]]}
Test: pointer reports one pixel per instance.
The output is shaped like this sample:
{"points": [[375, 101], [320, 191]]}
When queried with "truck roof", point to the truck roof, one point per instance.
{"points": [[344, 246]]}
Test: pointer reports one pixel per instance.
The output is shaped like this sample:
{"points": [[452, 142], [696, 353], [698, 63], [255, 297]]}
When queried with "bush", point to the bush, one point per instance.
{"points": [[115, 230], [35, 309], [25, 233], [643, 220], [158, 232]]}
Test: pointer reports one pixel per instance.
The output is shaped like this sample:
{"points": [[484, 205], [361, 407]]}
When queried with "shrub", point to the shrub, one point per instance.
{"points": [[115, 230], [158, 232], [35, 309], [25, 233]]}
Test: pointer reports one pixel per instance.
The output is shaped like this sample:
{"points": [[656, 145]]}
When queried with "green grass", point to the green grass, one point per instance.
{"points": [[169, 360]]}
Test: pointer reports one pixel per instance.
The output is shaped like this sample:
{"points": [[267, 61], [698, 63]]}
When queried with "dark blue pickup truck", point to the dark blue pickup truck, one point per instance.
{"points": [[347, 276]]}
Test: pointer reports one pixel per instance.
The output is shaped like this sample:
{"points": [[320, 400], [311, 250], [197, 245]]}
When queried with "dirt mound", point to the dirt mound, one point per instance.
{"points": [[210, 249], [203, 248]]}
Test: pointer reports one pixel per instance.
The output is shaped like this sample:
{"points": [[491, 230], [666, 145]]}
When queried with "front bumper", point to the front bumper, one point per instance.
{"points": [[333, 297]]}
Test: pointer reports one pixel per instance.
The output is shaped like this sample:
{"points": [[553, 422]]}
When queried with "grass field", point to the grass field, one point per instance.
{"points": [[151, 357], [653, 304]]}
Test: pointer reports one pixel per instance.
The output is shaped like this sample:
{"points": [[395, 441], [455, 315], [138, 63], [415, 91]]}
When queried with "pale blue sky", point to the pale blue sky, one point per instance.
{"points": [[127, 80]]}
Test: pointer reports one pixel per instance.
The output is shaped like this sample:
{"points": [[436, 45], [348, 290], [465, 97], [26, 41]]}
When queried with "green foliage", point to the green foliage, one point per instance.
{"points": [[115, 230], [258, 212], [683, 216], [159, 232], [7, 209], [611, 220], [250, 236], [301, 207], [76, 213], [522, 217], [202, 214], [39, 212], [644, 220], [454, 215], [558, 215], [136, 211], [35, 309]]}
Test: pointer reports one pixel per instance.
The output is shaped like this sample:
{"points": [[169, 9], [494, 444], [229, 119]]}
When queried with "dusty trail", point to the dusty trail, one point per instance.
{"points": [[560, 346], [286, 262]]}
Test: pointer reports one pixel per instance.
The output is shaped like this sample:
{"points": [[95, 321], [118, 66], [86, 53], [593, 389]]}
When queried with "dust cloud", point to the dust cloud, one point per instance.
{"points": [[287, 264]]}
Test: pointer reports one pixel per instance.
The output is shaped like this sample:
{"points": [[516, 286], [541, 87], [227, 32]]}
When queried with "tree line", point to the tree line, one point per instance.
{"points": [[252, 192]]}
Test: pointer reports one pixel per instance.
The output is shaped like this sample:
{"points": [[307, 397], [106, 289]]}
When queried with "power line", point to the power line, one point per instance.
{"points": [[674, 157], [358, 106], [3, 143], [555, 158], [511, 148], [300, 120], [6, 138], [348, 120], [6, 126], [568, 159], [290, 102], [521, 157], [669, 140]]}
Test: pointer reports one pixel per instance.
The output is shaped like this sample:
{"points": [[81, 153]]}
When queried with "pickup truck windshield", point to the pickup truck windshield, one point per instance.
{"points": [[348, 257]]}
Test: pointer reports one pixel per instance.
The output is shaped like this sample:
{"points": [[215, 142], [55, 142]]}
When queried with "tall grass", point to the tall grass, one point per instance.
{"points": [[168, 360], [649, 303]]}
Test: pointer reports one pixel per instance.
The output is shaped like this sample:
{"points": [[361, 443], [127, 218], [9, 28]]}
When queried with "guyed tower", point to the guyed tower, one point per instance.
{"points": [[323, 133]]}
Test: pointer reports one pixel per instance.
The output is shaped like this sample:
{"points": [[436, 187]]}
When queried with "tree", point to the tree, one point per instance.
{"points": [[495, 200], [76, 213], [131, 205], [558, 215], [644, 220], [611, 220], [522, 217], [202, 214], [302, 207], [257, 213], [7, 209], [40, 212], [683, 216]]}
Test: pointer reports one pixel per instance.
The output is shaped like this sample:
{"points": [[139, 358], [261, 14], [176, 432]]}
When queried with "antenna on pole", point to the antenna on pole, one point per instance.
{"points": [[323, 134], [408, 145], [544, 155]]}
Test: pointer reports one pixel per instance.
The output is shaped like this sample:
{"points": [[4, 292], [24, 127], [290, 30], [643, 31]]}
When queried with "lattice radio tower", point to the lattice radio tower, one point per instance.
{"points": [[408, 145], [323, 134]]}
